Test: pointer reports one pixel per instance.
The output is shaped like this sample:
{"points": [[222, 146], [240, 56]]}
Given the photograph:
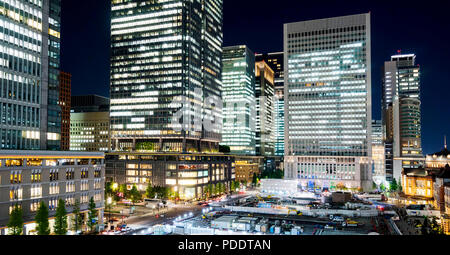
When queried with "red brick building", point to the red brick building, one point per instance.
{"points": [[65, 80]]}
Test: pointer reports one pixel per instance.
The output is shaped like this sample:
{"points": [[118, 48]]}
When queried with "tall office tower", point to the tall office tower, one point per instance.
{"points": [[378, 153], [328, 102], [65, 80], [166, 66], [239, 104], [276, 62], [264, 93], [29, 61], [401, 114]]}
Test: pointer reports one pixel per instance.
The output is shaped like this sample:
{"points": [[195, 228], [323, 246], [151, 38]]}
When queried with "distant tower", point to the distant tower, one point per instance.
{"points": [[401, 114]]}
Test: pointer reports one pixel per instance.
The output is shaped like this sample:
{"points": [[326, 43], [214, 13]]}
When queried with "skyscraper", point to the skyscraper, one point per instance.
{"points": [[378, 153], [328, 102], [276, 62], [265, 126], [238, 78], [401, 114], [29, 60], [166, 66], [65, 91]]}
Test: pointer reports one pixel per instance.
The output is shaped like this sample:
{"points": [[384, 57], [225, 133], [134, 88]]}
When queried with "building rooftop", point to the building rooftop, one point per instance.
{"points": [[48, 154]]}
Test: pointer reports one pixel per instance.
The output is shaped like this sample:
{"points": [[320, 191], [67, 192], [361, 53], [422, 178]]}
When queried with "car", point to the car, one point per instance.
{"points": [[117, 232]]}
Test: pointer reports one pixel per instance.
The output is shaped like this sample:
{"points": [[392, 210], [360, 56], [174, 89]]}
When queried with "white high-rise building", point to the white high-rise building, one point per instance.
{"points": [[328, 102]]}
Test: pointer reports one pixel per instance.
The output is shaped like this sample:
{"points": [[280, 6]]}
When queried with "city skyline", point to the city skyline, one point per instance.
{"points": [[92, 76]]}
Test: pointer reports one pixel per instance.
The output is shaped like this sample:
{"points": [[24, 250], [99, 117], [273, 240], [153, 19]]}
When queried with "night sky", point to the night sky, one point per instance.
{"points": [[420, 27]]}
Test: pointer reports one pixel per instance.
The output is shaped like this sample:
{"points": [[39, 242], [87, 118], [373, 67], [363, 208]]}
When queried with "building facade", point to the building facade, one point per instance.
{"points": [[29, 177], [187, 174], [89, 127], [65, 88], [265, 109], [247, 166], [401, 114], [166, 65], [239, 104], [327, 96], [29, 60], [89, 131], [378, 153], [276, 62]]}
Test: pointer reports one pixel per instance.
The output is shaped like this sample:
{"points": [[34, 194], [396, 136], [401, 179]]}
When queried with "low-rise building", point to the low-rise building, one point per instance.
{"points": [[417, 183], [439, 159], [29, 177], [187, 174], [247, 166]]}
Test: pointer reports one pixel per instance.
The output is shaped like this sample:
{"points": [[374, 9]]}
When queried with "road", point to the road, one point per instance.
{"points": [[140, 224]]}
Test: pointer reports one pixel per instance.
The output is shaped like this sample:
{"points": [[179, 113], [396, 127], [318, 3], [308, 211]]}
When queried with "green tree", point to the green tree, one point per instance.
{"points": [[233, 186], [150, 192], [374, 185], [135, 195], [60, 227], [77, 220], [425, 226], [254, 180], [42, 224], [15, 224], [92, 214], [123, 189], [394, 185], [382, 187]]}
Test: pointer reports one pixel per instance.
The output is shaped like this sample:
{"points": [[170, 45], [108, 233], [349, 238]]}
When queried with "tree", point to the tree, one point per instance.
{"points": [[394, 186], [233, 186], [135, 195], [43, 226], [150, 192], [92, 214], [60, 227], [425, 226], [123, 189], [382, 187], [374, 185], [78, 218], [254, 180], [224, 149], [15, 224]]}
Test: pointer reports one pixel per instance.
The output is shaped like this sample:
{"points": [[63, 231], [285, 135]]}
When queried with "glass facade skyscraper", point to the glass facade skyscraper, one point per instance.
{"points": [[265, 109], [328, 102], [239, 103], [401, 114], [276, 62], [163, 51], [29, 69]]}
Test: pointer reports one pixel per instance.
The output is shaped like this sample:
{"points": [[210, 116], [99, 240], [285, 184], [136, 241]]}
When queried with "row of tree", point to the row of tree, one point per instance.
{"points": [[393, 186], [16, 221]]}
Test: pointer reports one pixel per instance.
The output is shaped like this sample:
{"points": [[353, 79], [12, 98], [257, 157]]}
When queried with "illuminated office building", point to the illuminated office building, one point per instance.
{"points": [[166, 59], [328, 102], [238, 78], [89, 123], [276, 62], [188, 174], [402, 115], [378, 153], [264, 93], [29, 69]]}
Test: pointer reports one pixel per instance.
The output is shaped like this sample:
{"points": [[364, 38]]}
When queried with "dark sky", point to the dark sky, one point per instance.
{"points": [[420, 27]]}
